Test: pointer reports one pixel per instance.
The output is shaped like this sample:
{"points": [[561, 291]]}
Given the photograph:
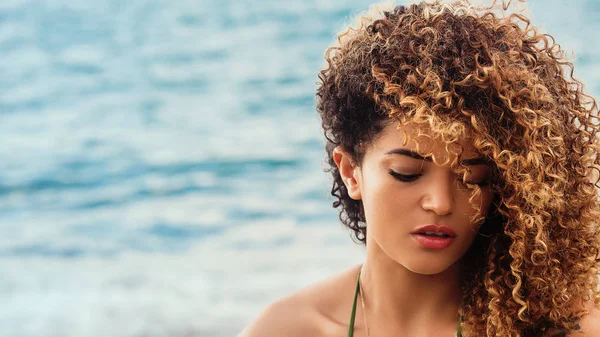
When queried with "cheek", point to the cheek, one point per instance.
{"points": [[378, 199], [372, 187], [384, 201]]}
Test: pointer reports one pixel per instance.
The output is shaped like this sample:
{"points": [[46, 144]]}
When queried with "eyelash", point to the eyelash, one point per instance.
{"points": [[405, 178], [409, 178]]}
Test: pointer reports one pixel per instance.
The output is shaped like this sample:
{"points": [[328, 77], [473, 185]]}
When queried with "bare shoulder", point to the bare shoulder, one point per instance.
{"points": [[287, 317], [318, 310], [590, 323]]}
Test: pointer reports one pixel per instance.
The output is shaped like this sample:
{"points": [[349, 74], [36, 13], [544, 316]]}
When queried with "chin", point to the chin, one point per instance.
{"points": [[428, 265], [427, 269]]}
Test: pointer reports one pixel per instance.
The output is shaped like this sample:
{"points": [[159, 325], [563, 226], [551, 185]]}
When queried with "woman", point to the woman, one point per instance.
{"points": [[466, 161]]}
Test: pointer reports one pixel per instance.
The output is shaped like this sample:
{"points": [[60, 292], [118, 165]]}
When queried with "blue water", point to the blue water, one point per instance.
{"points": [[161, 161]]}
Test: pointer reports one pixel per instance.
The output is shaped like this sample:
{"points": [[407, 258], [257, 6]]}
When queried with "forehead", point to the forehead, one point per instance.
{"points": [[421, 139]]}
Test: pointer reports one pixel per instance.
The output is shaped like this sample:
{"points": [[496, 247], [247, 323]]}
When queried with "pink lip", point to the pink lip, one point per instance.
{"points": [[432, 242], [434, 228]]}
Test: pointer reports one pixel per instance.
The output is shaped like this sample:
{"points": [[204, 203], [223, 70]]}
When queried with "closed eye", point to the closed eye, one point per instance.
{"points": [[407, 178], [404, 177]]}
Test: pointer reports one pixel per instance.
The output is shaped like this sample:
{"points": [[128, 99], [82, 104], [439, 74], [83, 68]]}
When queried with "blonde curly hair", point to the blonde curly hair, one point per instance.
{"points": [[464, 70]]}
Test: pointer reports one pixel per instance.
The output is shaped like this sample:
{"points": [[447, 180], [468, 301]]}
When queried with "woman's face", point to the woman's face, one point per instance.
{"points": [[402, 191]]}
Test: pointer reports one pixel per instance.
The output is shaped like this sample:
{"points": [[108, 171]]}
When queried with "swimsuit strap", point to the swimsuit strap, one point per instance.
{"points": [[353, 315], [351, 327]]}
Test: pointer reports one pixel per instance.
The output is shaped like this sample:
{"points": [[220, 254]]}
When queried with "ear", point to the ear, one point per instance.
{"points": [[349, 171]]}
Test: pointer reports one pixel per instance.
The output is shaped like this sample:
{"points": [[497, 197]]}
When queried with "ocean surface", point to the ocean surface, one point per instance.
{"points": [[161, 162]]}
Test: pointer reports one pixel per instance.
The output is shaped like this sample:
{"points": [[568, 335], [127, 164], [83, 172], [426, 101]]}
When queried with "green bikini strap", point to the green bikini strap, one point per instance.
{"points": [[351, 327]]}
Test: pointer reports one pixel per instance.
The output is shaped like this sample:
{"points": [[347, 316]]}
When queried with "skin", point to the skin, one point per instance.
{"points": [[409, 290]]}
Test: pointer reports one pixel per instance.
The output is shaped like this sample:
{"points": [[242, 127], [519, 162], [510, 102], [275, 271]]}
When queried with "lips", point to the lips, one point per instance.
{"points": [[433, 242], [435, 230]]}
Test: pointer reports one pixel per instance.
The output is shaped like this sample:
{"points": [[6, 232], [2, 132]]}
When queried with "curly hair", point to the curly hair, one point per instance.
{"points": [[459, 69]]}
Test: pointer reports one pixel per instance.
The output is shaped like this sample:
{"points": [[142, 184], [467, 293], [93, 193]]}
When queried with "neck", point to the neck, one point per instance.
{"points": [[399, 300]]}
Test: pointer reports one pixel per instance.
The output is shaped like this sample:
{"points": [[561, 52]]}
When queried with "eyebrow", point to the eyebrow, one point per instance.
{"points": [[415, 155]]}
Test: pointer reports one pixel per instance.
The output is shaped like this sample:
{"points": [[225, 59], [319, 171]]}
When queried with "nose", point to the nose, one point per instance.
{"points": [[439, 195]]}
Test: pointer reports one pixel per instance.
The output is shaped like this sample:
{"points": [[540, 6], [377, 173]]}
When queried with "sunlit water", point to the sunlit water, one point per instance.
{"points": [[161, 161]]}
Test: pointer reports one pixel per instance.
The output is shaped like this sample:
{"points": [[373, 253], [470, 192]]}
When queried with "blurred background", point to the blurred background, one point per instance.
{"points": [[161, 162]]}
